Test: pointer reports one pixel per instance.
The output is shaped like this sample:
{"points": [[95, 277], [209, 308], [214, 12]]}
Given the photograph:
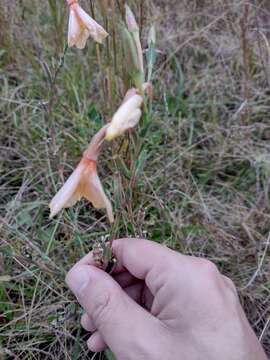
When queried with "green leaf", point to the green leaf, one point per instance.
{"points": [[123, 168], [140, 163], [151, 53], [109, 355]]}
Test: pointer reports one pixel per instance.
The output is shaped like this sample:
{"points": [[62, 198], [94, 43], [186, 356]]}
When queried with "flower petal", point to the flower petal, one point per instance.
{"points": [[131, 92], [95, 30], [82, 38], [127, 116], [78, 33], [74, 199], [74, 28], [129, 106], [66, 196], [133, 119], [118, 129], [91, 188]]}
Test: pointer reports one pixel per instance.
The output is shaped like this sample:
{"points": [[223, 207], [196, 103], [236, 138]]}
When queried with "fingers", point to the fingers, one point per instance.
{"points": [[144, 260], [112, 311], [147, 298], [135, 255], [149, 261], [86, 260], [125, 279], [138, 256], [229, 283], [135, 291], [87, 323], [96, 342]]}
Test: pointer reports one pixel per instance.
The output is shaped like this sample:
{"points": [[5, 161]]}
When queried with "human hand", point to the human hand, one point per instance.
{"points": [[160, 304]]}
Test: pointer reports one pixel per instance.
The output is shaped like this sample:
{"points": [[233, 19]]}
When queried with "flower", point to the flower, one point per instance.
{"points": [[84, 182], [130, 20], [81, 26], [127, 116]]}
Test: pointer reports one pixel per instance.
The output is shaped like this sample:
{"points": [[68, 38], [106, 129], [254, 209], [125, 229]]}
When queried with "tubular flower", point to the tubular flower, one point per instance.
{"points": [[127, 116], [81, 26], [84, 182]]}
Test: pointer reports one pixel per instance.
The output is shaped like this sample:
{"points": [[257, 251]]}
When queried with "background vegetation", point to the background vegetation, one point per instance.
{"points": [[202, 181]]}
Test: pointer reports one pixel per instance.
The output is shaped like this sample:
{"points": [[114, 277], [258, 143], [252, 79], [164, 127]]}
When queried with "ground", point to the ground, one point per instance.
{"points": [[200, 184]]}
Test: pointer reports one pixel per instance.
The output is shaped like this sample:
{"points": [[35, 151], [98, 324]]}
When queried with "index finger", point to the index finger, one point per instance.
{"points": [[143, 257]]}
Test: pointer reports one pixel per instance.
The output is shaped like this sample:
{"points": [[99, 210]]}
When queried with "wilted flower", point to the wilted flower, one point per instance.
{"points": [[81, 26], [84, 182], [127, 116]]}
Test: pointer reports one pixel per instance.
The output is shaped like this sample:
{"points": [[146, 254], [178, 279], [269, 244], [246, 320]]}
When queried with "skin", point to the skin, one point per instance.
{"points": [[160, 304]]}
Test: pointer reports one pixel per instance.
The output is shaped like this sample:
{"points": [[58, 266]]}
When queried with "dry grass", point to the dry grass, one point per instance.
{"points": [[203, 187]]}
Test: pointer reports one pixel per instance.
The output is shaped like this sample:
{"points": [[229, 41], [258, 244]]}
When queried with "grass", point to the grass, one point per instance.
{"points": [[203, 178]]}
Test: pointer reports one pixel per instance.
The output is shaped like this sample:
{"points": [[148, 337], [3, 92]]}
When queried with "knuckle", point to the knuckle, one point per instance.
{"points": [[230, 285], [87, 323], [163, 277], [208, 269]]}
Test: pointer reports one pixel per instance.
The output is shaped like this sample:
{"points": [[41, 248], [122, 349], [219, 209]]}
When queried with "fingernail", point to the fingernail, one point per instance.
{"points": [[78, 278]]}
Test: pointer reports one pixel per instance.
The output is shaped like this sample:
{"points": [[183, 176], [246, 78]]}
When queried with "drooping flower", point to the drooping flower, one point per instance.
{"points": [[127, 116], [81, 26], [84, 182]]}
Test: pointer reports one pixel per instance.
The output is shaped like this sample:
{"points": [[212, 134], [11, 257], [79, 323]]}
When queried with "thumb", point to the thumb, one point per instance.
{"points": [[115, 315]]}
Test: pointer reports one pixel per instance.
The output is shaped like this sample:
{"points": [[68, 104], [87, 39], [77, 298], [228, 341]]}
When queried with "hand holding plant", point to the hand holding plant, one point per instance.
{"points": [[84, 182], [162, 305]]}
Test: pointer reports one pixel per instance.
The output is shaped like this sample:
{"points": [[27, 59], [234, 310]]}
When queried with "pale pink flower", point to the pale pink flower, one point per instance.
{"points": [[127, 116], [84, 182], [81, 26]]}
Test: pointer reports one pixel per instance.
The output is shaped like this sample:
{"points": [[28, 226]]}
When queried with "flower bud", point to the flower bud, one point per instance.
{"points": [[130, 20], [126, 117], [152, 36]]}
